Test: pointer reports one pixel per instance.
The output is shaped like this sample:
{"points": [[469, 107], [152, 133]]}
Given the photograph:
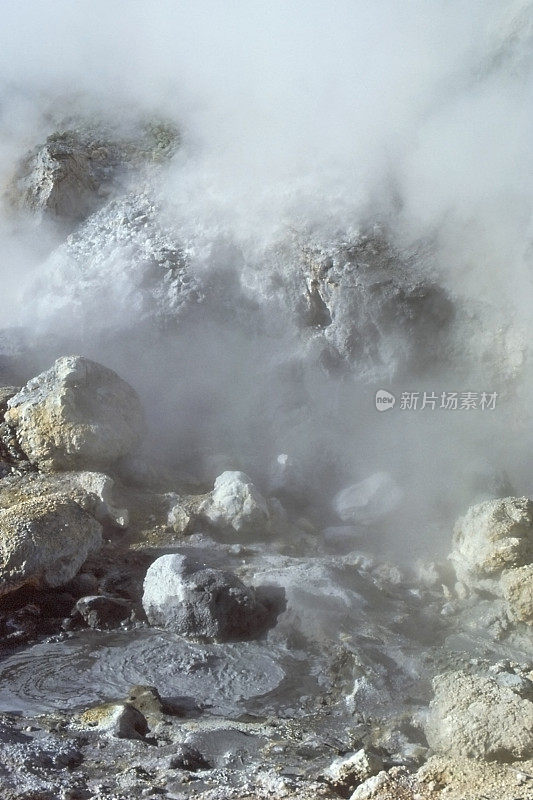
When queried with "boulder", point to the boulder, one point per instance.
{"points": [[492, 537], [44, 541], [77, 414], [200, 602], [476, 717], [235, 504], [369, 500]]}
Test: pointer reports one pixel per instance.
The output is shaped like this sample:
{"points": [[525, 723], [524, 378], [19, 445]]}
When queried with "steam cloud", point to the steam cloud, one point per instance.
{"points": [[321, 118]]}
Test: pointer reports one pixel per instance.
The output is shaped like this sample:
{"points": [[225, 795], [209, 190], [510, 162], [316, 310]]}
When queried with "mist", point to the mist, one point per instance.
{"points": [[310, 122]]}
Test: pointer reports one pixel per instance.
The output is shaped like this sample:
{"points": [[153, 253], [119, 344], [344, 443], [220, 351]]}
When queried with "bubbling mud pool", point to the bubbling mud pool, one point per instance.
{"points": [[229, 679]]}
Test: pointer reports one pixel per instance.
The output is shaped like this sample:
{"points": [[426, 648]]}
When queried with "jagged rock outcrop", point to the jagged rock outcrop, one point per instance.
{"points": [[200, 602], [76, 415], [75, 169]]}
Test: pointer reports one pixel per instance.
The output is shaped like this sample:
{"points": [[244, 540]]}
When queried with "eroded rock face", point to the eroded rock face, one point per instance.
{"points": [[69, 175], [490, 538], [77, 414], [517, 588], [475, 716], [200, 602], [236, 504], [493, 552], [44, 541]]}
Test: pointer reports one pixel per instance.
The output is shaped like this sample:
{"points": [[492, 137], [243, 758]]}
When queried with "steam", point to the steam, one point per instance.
{"points": [[316, 119]]}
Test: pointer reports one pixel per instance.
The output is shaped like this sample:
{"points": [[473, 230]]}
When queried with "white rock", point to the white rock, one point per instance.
{"points": [[474, 716], [77, 414], [367, 789], [347, 773], [490, 538], [236, 504], [368, 501], [44, 541]]}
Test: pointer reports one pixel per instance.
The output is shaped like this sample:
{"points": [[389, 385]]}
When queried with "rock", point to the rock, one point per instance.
{"points": [[491, 537], [474, 716], [102, 488], [180, 517], [344, 774], [368, 501], [76, 414], [147, 700], [85, 275], [517, 588], [189, 759], [365, 301], [6, 393], [372, 785], [61, 178], [73, 171], [93, 491], [121, 720], [200, 602], [493, 552], [44, 542], [236, 504], [103, 611]]}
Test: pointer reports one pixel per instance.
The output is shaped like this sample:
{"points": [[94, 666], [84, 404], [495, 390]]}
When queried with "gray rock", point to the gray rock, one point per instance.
{"points": [[44, 542], [200, 602], [76, 414], [189, 759], [103, 611], [476, 717], [74, 170], [367, 305]]}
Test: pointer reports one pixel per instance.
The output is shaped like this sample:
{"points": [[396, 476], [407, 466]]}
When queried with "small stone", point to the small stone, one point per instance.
{"points": [[345, 774], [188, 759], [116, 719], [103, 611]]}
